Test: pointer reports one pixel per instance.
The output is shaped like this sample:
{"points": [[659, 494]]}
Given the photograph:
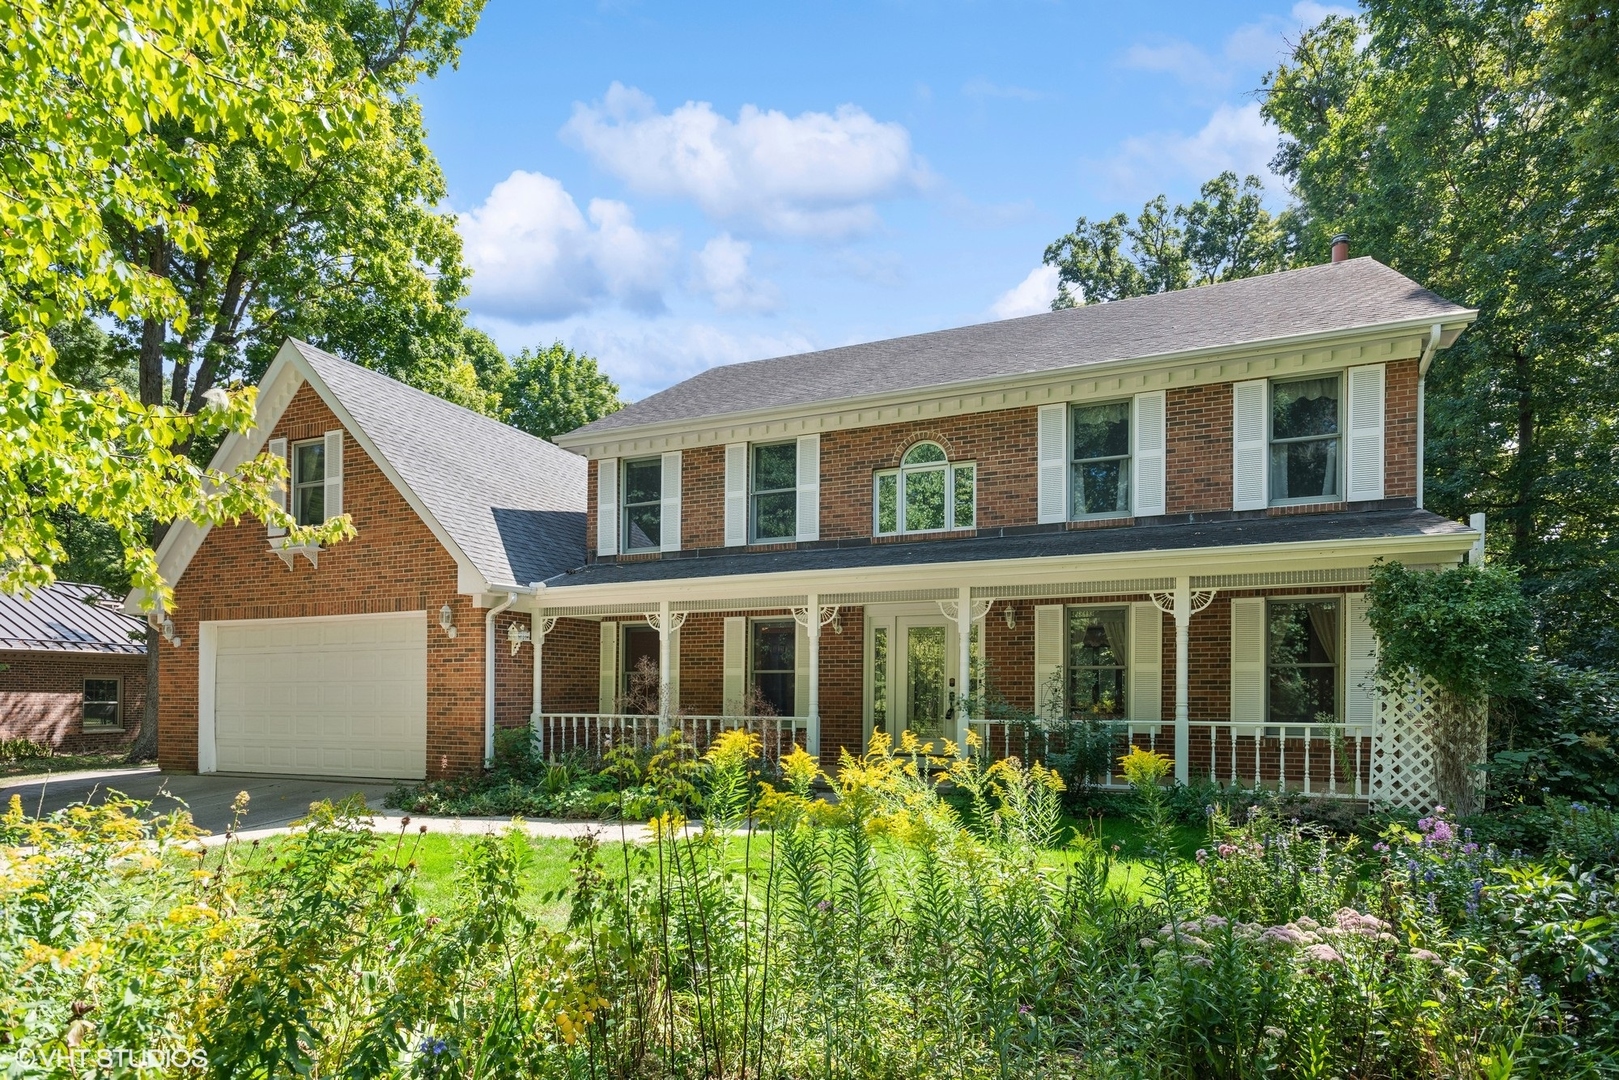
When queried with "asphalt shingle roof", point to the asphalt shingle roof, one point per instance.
{"points": [[514, 504], [860, 555], [68, 617], [1314, 299]]}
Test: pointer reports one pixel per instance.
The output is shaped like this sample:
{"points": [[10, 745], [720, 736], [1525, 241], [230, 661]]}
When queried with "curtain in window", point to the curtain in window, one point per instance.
{"points": [[1324, 621], [1118, 639]]}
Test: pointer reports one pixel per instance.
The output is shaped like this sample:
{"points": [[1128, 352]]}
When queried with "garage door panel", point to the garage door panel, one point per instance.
{"points": [[339, 697]]}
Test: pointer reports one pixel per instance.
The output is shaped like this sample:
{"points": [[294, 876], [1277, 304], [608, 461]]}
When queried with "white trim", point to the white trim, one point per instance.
{"points": [[607, 508], [1365, 395], [1145, 667], [1284, 356], [1051, 463], [1049, 647], [276, 448], [1250, 445], [807, 476], [1247, 698], [207, 683], [1149, 446], [611, 634], [736, 494], [669, 511], [734, 664], [332, 497]]}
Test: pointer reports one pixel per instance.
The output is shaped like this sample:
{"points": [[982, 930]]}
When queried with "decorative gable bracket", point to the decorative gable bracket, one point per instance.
{"points": [[287, 552]]}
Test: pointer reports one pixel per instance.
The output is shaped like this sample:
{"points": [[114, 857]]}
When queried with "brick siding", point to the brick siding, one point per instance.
{"points": [[42, 698]]}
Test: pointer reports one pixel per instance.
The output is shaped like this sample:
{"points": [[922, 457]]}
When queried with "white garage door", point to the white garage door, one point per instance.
{"points": [[343, 696]]}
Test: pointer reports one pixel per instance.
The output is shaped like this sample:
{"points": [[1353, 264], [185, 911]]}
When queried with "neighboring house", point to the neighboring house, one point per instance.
{"points": [[1159, 511], [72, 669]]}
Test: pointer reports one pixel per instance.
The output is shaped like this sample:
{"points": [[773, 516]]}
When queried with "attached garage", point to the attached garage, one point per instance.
{"points": [[331, 696]]}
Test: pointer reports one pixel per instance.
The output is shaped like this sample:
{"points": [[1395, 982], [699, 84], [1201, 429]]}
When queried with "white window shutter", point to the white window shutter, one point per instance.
{"points": [[607, 506], [1250, 450], [669, 525], [1365, 424], [801, 670], [1149, 428], [277, 448], [1048, 666], [736, 494], [1248, 660], [734, 688], [1360, 666], [1146, 663], [1052, 470], [809, 488], [607, 698], [334, 474], [674, 670]]}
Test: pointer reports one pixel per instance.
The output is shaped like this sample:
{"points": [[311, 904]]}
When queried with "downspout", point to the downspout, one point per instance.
{"points": [[489, 677], [1422, 404]]}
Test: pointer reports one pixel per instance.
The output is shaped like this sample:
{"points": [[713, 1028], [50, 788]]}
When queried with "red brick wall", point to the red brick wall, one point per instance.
{"points": [[702, 664], [571, 667], [1197, 471], [1400, 430], [843, 688], [394, 564], [42, 698], [514, 675]]}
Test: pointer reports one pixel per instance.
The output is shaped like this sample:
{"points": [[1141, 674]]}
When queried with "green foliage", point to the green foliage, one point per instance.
{"points": [[19, 749], [1225, 234], [547, 392], [1558, 737]]}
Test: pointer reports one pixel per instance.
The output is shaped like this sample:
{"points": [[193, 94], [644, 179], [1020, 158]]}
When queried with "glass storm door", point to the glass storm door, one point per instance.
{"points": [[925, 689]]}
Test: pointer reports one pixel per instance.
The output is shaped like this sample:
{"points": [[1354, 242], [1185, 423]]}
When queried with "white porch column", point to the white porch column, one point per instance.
{"points": [[812, 627], [964, 638], [663, 628], [1183, 639]]}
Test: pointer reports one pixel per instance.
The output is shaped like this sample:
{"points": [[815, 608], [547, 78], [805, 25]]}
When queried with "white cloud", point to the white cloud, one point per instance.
{"points": [[722, 271], [1235, 137], [817, 174], [1253, 45], [535, 256], [1031, 296]]}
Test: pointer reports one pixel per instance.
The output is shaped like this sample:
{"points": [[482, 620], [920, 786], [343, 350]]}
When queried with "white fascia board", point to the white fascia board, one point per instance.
{"points": [[1311, 554], [282, 380], [1146, 372]]}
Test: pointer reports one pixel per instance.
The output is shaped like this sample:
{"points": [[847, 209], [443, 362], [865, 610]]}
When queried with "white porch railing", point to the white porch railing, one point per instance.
{"points": [[558, 734], [1327, 760]]}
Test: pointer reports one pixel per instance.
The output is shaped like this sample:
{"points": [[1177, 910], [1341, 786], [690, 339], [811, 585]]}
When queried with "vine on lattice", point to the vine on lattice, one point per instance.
{"points": [[1405, 761]]}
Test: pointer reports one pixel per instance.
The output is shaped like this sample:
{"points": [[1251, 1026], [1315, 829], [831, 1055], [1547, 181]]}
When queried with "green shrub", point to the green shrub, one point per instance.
{"points": [[14, 750]]}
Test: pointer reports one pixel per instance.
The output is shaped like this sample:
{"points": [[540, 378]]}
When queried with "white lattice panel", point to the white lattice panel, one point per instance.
{"points": [[1402, 749]]}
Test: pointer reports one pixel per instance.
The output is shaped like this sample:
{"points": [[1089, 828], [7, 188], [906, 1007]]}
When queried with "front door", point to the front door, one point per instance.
{"points": [[925, 687]]}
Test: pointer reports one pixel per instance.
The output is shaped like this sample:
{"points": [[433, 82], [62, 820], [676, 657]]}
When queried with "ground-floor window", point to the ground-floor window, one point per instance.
{"points": [[102, 707], [772, 655], [1098, 643], [1301, 662], [638, 679]]}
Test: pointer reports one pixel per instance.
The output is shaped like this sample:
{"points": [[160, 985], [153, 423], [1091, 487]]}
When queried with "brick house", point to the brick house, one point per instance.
{"points": [[1159, 512], [72, 669]]}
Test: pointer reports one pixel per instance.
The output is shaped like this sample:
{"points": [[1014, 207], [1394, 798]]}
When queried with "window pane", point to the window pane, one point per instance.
{"points": [[1102, 430], [1304, 633], [964, 496], [879, 678], [101, 701], [773, 667], [923, 454], [309, 462], [888, 503], [103, 712], [311, 505], [775, 467], [1097, 647], [1304, 408], [775, 517], [643, 481], [1101, 487], [924, 500], [641, 526], [776, 690], [1304, 470], [1300, 695]]}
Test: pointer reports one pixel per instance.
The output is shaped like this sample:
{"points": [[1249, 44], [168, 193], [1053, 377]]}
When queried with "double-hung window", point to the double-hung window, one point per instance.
{"points": [[102, 708], [774, 663], [1301, 661], [927, 493], [775, 492], [1304, 439], [309, 482], [643, 504], [1098, 643], [1100, 467]]}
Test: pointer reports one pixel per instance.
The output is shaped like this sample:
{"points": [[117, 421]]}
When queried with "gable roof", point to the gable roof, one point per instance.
{"points": [[69, 617], [513, 504], [1354, 294]]}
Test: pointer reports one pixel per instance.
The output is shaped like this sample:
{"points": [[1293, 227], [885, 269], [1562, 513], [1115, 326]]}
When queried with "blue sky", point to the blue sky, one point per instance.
{"points": [[674, 186]]}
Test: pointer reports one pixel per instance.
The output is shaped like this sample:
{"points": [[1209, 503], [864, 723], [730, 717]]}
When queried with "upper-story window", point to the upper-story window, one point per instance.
{"points": [[774, 496], [309, 482], [927, 493], [1100, 484], [1304, 437], [643, 504]]}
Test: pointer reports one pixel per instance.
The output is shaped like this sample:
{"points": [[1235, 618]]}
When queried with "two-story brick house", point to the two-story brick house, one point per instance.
{"points": [[1160, 511]]}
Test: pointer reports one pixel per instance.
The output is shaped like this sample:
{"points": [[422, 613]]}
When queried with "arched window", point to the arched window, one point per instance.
{"points": [[927, 493]]}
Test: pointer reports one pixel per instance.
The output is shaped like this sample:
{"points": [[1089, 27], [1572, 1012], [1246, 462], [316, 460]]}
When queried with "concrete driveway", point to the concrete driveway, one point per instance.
{"points": [[272, 800]]}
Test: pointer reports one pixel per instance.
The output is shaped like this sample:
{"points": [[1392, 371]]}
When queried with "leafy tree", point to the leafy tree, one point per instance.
{"points": [[1463, 144], [549, 391], [1225, 234]]}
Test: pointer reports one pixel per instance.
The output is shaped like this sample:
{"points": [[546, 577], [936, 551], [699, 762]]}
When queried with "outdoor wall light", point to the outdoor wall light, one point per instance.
{"points": [[446, 619], [837, 622], [1011, 618], [517, 635], [166, 628]]}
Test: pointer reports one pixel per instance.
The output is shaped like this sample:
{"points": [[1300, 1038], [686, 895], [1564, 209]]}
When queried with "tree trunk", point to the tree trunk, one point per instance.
{"points": [[153, 333]]}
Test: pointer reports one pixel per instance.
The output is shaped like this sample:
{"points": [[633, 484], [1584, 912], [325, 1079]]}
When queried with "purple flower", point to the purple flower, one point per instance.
{"points": [[1325, 954], [1208, 811], [1578, 808], [1380, 846], [1202, 856]]}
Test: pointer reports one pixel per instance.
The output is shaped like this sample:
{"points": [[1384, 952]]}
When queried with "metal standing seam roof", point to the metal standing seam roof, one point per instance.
{"points": [[68, 617], [513, 503], [1353, 294]]}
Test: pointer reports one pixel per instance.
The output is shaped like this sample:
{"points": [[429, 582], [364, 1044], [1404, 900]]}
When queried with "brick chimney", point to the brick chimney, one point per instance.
{"points": [[1340, 247]]}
